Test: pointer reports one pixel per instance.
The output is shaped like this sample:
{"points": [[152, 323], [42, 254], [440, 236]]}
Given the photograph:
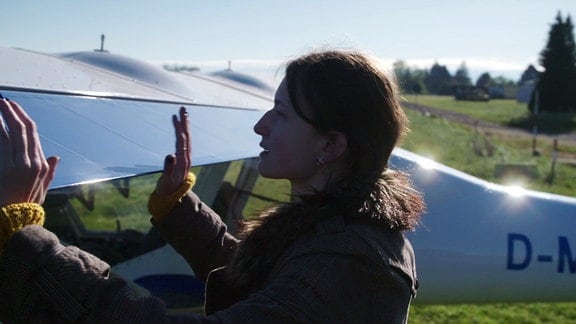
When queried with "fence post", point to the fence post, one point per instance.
{"points": [[554, 158], [535, 151]]}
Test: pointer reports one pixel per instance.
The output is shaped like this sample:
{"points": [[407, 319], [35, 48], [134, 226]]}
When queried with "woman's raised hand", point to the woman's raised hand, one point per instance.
{"points": [[177, 166], [25, 174]]}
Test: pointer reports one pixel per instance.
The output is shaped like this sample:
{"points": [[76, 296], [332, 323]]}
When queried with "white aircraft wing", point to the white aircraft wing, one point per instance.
{"points": [[100, 138], [482, 242]]}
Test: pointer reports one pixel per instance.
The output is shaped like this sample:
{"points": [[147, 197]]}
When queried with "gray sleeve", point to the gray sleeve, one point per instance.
{"points": [[197, 233], [42, 280]]}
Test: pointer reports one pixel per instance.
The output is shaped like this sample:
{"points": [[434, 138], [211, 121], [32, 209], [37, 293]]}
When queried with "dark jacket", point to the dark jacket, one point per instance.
{"points": [[339, 272]]}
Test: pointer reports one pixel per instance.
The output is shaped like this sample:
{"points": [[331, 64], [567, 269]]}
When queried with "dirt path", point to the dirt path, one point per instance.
{"points": [[569, 139]]}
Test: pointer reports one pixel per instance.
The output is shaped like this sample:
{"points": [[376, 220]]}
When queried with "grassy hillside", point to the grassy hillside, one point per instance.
{"points": [[481, 151], [503, 112]]}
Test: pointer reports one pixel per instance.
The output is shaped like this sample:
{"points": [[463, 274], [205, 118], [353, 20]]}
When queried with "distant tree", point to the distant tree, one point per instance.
{"points": [[461, 77], [530, 74], [484, 81], [502, 81], [439, 80], [410, 81], [557, 84], [402, 72], [498, 86], [417, 85], [417, 88]]}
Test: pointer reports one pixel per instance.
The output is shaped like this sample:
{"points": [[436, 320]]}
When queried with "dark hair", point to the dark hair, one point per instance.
{"points": [[349, 93]]}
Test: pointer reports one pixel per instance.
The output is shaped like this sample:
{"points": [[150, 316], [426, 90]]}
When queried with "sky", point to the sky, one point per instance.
{"points": [[501, 37]]}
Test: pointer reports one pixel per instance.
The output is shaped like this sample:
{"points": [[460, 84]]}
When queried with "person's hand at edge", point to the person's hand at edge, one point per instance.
{"points": [[25, 174]]}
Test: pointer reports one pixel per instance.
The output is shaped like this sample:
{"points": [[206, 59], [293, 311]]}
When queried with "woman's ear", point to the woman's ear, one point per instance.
{"points": [[335, 146]]}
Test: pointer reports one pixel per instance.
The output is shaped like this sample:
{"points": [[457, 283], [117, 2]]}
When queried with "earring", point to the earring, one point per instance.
{"points": [[320, 161]]}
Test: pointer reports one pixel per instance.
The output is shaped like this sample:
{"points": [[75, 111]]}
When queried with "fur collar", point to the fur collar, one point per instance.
{"points": [[389, 201]]}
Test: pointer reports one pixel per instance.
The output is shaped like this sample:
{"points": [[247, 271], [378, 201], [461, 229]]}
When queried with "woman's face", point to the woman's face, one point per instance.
{"points": [[291, 145]]}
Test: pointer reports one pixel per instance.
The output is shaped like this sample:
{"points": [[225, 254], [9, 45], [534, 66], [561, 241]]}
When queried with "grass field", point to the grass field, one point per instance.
{"points": [[480, 152], [495, 313], [504, 112]]}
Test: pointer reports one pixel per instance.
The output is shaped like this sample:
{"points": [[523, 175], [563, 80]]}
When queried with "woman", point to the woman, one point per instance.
{"points": [[335, 253]]}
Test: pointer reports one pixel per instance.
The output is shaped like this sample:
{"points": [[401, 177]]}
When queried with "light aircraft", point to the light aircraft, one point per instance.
{"points": [[108, 117]]}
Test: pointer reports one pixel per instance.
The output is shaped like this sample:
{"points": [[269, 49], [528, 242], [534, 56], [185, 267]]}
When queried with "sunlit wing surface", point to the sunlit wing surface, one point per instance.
{"points": [[99, 139], [193, 86], [35, 71], [108, 118], [111, 75]]}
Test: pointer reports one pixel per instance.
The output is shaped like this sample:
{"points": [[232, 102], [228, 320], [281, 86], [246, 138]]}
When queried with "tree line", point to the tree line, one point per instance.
{"points": [[439, 81], [555, 86]]}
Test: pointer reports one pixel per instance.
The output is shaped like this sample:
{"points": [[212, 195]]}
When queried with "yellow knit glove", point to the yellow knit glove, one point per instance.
{"points": [[160, 205], [16, 216]]}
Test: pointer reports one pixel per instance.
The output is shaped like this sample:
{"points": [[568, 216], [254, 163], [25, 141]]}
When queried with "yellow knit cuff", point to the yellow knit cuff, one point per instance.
{"points": [[16, 216], [160, 205]]}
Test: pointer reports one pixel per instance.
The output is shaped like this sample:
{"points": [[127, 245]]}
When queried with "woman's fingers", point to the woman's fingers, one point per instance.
{"points": [[18, 132], [27, 143], [27, 127], [52, 163], [169, 165], [5, 145], [182, 144], [176, 166], [25, 174], [3, 126], [185, 123], [181, 130], [15, 134]]}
